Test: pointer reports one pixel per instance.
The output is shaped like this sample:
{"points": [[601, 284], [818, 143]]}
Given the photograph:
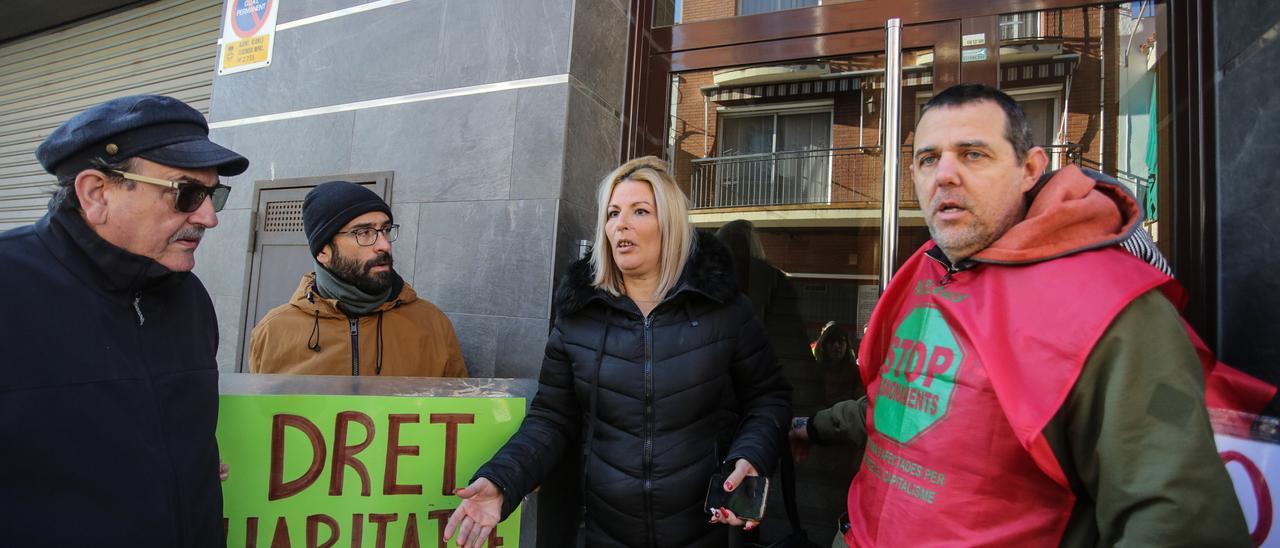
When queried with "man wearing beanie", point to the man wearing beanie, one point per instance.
{"points": [[354, 315], [110, 394]]}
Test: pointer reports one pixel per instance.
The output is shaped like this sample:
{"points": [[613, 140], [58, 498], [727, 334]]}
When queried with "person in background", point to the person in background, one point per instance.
{"points": [[657, 371], [834, 356], [353, 315], [109, 397]]}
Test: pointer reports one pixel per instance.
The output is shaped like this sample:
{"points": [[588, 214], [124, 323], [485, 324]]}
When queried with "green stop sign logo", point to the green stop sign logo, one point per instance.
{"points": [[918, 376]]}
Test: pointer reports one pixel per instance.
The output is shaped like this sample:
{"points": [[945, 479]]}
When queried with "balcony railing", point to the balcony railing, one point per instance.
{"points": [[838, 175], [1061, 155], [851, 176], [1033, 25]]}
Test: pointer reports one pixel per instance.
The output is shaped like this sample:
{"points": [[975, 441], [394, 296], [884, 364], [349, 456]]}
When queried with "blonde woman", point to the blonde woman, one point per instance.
{"points": [[656, 370]]}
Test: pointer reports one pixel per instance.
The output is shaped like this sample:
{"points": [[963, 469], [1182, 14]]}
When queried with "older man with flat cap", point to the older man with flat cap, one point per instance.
{"points": [[109, 394]]}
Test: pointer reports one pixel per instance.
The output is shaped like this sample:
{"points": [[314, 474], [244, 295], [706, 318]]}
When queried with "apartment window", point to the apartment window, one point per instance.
{"points": [[1021, 26], [775, 158], [748, 7]]}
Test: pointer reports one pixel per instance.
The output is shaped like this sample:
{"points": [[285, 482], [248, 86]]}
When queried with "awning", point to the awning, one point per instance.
{"points": [[1035, 71], [786, 89], [912, 77]]}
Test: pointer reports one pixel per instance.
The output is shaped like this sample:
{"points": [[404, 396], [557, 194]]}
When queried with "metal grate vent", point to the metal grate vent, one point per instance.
{"points": [[284, 216]]}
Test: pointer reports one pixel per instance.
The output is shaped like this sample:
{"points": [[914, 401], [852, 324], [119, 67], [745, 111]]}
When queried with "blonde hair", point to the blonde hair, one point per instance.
{"points": [[673, 223]]}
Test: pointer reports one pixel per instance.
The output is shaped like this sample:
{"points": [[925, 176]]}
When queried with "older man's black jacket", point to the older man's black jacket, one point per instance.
{"points": [[108, 395], [693, 386]]}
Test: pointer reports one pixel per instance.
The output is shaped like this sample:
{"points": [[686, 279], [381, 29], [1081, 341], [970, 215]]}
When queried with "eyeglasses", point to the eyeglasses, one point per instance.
{"points": [[367, 236], [190, 195]]}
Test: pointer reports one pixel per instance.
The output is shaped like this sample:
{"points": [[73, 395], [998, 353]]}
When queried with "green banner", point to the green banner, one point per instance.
{"points": [[375, 471]]}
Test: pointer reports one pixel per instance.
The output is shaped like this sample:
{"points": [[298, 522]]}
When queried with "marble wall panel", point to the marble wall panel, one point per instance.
{"points": [[444, 150], [223, 256], [498, 346], [301, 9], [576, 223], [623, 6], [1249, 244], [1241, 23], [386, 52], [599, 59], [229, 311], [405, 248], [594, 135], [488, 258], [401, 49], [538, 147], [499, 40], [301, 147]]}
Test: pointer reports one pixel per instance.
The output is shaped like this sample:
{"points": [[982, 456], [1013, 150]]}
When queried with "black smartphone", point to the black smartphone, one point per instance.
{"points": [[746, 502]]}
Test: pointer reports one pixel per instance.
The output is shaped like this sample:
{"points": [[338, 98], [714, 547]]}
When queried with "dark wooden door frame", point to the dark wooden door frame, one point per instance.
{"points": [[1192, 162], [1190, 211]]}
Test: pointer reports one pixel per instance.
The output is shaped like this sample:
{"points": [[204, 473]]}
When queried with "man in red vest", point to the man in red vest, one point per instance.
{"points": [[1029, 383]]}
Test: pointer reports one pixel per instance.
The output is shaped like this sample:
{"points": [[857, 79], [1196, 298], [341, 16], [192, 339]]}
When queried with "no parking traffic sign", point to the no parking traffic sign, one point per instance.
{"points": [[248, 35]]}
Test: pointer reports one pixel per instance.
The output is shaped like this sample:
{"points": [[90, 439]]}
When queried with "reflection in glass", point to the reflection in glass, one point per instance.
{"points": [[750, 7], [1088, 79], [774, 158], [784, 161], [675, 12]]}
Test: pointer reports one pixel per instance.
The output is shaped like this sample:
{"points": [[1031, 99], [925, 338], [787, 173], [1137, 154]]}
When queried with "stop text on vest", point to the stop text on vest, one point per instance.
{"points": [[930, 287], [911, 359]]}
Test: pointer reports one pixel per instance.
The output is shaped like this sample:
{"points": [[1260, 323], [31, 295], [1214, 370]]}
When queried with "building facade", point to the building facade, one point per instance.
{"points": [[486, 124]]}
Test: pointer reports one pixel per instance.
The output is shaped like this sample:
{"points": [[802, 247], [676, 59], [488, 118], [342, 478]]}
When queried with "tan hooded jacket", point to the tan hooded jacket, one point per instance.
{"points": [[309, 335]]}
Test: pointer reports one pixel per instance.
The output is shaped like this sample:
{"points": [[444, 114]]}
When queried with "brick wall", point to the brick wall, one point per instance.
{"points": [[703, 10], [1081, 30], [692, 135], [856, 174], [1092, 110]]}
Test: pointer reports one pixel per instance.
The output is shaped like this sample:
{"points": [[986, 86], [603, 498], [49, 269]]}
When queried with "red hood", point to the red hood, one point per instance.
{"points": [[1070, 212]]}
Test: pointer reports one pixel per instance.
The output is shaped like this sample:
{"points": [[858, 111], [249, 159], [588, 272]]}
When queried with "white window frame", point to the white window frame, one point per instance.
{"points": [[1036, 93], [800, 107], [1039, 15], [1032, 93], [737, 9]]}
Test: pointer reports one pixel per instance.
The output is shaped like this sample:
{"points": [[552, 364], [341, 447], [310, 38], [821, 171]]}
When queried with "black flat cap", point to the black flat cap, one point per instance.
{"points": [[158, 128]]}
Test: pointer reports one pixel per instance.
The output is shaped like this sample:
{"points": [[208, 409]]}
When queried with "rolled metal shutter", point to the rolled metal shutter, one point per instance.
{"points": [[166, 48]]}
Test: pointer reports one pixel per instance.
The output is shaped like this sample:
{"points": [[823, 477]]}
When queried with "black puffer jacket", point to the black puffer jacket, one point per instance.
{"points": [[694, 385]]}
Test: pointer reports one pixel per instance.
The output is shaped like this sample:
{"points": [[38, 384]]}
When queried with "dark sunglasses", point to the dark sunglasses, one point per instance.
{"points": [[190, 195]]}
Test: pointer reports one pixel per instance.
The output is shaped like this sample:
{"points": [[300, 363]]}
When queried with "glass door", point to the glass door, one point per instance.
{"points": [[773, 115], [785, 161]]}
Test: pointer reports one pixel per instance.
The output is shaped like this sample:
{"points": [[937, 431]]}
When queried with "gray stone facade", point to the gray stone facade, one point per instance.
{"points": [[492, 189], [1248, 120]]}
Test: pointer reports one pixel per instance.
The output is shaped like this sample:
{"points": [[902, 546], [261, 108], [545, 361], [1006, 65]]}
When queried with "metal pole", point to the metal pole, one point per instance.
{"points": [[862, 108], [890, 149]]}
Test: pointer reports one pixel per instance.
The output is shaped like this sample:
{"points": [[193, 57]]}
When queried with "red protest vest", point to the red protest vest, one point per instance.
{"points": [[970, 372]]}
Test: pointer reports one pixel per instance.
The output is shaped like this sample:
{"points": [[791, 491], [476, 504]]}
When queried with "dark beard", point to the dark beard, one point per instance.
{"points": [[354, 273]]}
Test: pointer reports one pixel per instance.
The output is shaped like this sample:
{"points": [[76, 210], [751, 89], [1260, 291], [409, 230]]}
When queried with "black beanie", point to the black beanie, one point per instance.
{"points": [[330, 206]]}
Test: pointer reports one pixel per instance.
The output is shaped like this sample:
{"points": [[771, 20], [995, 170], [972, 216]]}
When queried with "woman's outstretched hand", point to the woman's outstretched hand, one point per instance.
{"points": [[741, 469], [477, 514]]}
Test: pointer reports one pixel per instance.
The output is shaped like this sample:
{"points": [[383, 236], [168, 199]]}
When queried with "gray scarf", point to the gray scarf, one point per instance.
{"points": [[351, 300]]}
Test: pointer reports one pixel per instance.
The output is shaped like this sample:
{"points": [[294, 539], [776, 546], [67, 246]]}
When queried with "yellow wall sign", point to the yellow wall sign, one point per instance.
{"points": [[374, 471], [246, 52], [248, 28]]}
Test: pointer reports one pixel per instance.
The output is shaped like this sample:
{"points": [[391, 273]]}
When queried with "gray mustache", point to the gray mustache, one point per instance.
{"points": [[188, 233]]}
